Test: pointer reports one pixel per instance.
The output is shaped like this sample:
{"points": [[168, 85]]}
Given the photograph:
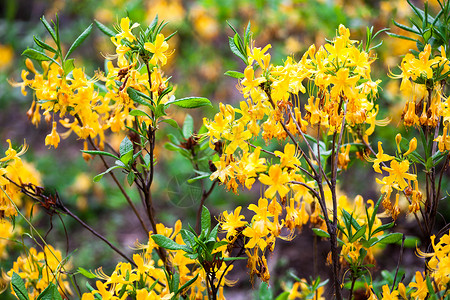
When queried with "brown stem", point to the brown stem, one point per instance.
{"points": [[205, 195], [398, 263], [122, 190], [67, 211]]}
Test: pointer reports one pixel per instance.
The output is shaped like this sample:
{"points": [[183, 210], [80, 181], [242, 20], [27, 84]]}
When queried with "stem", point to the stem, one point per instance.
{"points": [[122, 190], [398, 263], [76, 218], [205, 195], [352, 287]]}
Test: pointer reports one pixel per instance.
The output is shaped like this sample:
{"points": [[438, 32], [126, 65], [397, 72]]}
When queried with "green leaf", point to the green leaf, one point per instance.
{"points": [[401, 36], [130, 178], [188, 237], [265, 292], [410, 242], [321, 233], [383, 228], [126, 158], [47, 293], [175, 281], [234, 258], [203, 176], [358, 234], [391, 238], [187, 284], [80, 39], [206, 220], [125, 146], [171, 122], [68, 66], [44, 45], [136, 95], [95, 152], [406, 28], [49, 28], [86, 273], [190, 102], [234, 74], [37, 55], [139, 113], [188, 126], [234, 48], [104, 29], [166, 243], [19, 287], [100, 176], [213, 234], [283, 296]]}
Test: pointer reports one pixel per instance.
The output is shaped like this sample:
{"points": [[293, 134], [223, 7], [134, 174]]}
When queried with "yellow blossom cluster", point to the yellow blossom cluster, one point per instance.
{"points": [[398, 178], [337, 79], [147, 278], [421, 85], [14, 170], [86, 107], [39, 269], [439, 262]]}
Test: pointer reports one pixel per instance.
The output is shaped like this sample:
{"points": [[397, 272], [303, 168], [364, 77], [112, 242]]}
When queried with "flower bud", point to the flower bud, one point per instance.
{"points": [[412, 146], [398, 139]]}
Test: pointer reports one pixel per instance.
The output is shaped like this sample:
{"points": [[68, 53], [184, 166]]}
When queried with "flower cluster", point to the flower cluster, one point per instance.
{"points": [[398, 179], [147, 279], [84, 105], [39, 269], [341, 96], [14, 170]]}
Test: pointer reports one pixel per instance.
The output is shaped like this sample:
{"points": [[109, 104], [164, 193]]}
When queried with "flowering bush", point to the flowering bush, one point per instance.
{"points": [[299, 128]]}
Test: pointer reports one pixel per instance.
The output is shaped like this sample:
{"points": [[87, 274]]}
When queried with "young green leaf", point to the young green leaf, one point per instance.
{"points": [[86, 273], [137, 96], [80, 39], [171, 122], [190, 102], [100, 176], [37, 55], [167, 243], [234, 74], [95, 152], [104, 29], [186, 285], [125, 146], [49, 28], [139, 113], [48, 292], [68, 66], [321, 233], [44, 45], [206, 220], [188, 126], [19, 287]]}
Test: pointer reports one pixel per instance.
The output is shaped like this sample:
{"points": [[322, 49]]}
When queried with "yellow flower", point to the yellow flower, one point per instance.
{"points": [[420, 285], [52, 139], [276, 180], [249, 82], [126, 29], [288, 158], [158, 48], [230, 221], [387, 295], [398, 174], [381, 157]]}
